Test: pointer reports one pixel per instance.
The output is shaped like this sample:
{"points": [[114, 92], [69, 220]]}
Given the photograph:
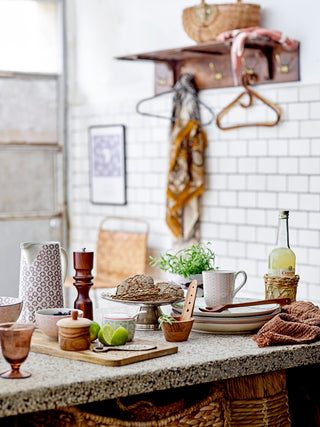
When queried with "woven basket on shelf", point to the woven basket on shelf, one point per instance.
{"points": [[206, 412], [204, 22], [281, 287], [257, 400]]}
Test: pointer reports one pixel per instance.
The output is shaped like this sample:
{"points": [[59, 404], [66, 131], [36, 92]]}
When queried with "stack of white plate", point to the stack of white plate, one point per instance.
{"points": [[237, 320]]}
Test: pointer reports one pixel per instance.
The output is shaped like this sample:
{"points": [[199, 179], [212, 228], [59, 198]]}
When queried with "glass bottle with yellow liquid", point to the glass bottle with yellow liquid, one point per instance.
{"points": [[282, 260]]}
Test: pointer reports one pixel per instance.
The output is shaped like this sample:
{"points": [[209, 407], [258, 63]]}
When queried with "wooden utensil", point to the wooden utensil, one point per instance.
{"points": [[130, 347], [189, 301], [180, 329], [222, 307]]}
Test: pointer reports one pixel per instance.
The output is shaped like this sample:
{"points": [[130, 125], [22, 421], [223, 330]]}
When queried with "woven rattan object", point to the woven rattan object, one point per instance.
{"points": [[207, 412], [257, 400], [204, 22], [281, 287], [120, 253]]}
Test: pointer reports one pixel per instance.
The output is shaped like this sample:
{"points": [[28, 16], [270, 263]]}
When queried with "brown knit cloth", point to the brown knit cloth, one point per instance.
{"points": [[298, 323]]}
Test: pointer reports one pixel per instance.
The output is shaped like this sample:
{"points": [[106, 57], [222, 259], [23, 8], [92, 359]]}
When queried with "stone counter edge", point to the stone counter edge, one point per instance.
{"points": [[76, 393]]}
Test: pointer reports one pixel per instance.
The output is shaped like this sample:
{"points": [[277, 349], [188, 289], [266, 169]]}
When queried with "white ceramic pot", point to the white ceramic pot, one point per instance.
{"points": [[181, 280], [185, 281]]}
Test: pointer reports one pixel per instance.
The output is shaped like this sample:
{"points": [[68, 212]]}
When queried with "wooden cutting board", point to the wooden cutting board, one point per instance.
{"points": [[42, 344]]}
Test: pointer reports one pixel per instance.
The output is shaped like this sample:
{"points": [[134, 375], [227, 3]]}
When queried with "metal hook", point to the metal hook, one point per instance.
{"points": [[217, 75], [249, 71], [283, 68]]}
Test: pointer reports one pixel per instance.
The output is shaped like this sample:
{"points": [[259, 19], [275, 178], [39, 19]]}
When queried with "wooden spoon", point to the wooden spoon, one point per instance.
{"points": [[188, 305], [222, 307]]}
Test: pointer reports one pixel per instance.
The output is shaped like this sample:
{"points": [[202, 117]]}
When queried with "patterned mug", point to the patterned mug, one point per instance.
{"points": [[219, 286], [43, 268]]}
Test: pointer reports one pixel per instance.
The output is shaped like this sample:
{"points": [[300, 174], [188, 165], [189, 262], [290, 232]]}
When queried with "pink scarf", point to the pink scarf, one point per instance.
{"points": [[240, 37]]}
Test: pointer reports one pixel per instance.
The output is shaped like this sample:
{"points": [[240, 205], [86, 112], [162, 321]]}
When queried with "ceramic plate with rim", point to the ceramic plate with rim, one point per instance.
{"points": [[245, 320], [231, 312], [238, 327]]}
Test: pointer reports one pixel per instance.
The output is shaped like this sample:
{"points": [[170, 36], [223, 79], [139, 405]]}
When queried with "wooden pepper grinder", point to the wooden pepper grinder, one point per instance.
{"points": [[83, 264]]}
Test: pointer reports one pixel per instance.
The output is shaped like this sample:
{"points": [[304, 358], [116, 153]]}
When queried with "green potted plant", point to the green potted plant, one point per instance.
{"points": [[165, 318], [186, 264]]}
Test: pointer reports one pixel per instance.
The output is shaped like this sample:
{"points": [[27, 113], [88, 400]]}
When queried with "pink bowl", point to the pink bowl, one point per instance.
{"points": [[10, 309], [47, 319]]}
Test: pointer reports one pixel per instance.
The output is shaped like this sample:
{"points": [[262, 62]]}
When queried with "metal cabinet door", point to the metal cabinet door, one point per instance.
{"points": [[32, 198]]}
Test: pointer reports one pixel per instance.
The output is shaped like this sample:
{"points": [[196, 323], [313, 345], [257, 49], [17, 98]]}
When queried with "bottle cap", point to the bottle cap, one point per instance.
{"points": [[283, 214]]}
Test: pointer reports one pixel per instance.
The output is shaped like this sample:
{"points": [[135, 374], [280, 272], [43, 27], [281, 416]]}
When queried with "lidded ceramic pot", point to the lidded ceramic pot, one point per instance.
{"points": [[74, 333]]}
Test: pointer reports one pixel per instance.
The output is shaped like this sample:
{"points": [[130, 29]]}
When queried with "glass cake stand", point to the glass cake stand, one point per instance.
{"points": [[148, 313]]}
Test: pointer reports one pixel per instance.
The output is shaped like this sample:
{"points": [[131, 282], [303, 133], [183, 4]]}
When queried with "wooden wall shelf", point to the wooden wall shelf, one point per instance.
{"points": [[211, 65]]}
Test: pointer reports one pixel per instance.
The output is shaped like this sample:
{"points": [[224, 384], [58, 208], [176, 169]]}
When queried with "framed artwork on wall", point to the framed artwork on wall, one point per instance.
{"points": [[107, 164]]}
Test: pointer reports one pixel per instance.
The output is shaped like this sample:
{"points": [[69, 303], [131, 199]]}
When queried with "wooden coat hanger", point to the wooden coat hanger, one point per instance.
{"points": [[246, 80], [172, 119]]}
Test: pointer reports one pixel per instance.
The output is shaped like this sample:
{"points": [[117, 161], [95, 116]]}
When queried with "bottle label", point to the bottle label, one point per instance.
{"points": [[282, 272]]}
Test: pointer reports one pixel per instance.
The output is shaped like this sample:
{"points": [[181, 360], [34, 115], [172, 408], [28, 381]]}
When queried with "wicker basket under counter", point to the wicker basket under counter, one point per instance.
{"points": [[281, 287], [257, 400]]}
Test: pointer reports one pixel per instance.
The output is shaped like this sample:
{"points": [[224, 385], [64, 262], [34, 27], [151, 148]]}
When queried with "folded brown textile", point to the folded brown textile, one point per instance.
{"points": [[298, 323]]}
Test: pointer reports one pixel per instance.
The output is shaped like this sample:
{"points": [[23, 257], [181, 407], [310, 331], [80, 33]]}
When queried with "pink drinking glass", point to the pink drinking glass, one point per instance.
{"points": [[15, 345]]}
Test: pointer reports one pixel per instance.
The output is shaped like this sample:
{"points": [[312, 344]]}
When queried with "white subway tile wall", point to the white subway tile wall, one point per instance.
{"points": [[251, 173]]}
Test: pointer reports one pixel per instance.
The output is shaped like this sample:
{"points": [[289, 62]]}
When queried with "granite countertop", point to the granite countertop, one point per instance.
{"points": [[58, 382]]}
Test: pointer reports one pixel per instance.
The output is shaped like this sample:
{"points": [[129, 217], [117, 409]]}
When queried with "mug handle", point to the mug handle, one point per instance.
{"points": [[242, 284], [64, 265]]}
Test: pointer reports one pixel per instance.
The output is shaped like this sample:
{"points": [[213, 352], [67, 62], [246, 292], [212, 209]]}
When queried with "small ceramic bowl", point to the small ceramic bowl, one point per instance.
{"points": [[47, 319], [10, 309], [115, 320]]}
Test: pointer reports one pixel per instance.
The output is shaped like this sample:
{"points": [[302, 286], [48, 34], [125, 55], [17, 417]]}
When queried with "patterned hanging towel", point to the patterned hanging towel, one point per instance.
{"points": [[186, 169]]}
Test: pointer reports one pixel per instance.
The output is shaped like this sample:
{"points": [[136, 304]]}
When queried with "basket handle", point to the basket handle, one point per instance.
{"points": [[140, 403]]}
